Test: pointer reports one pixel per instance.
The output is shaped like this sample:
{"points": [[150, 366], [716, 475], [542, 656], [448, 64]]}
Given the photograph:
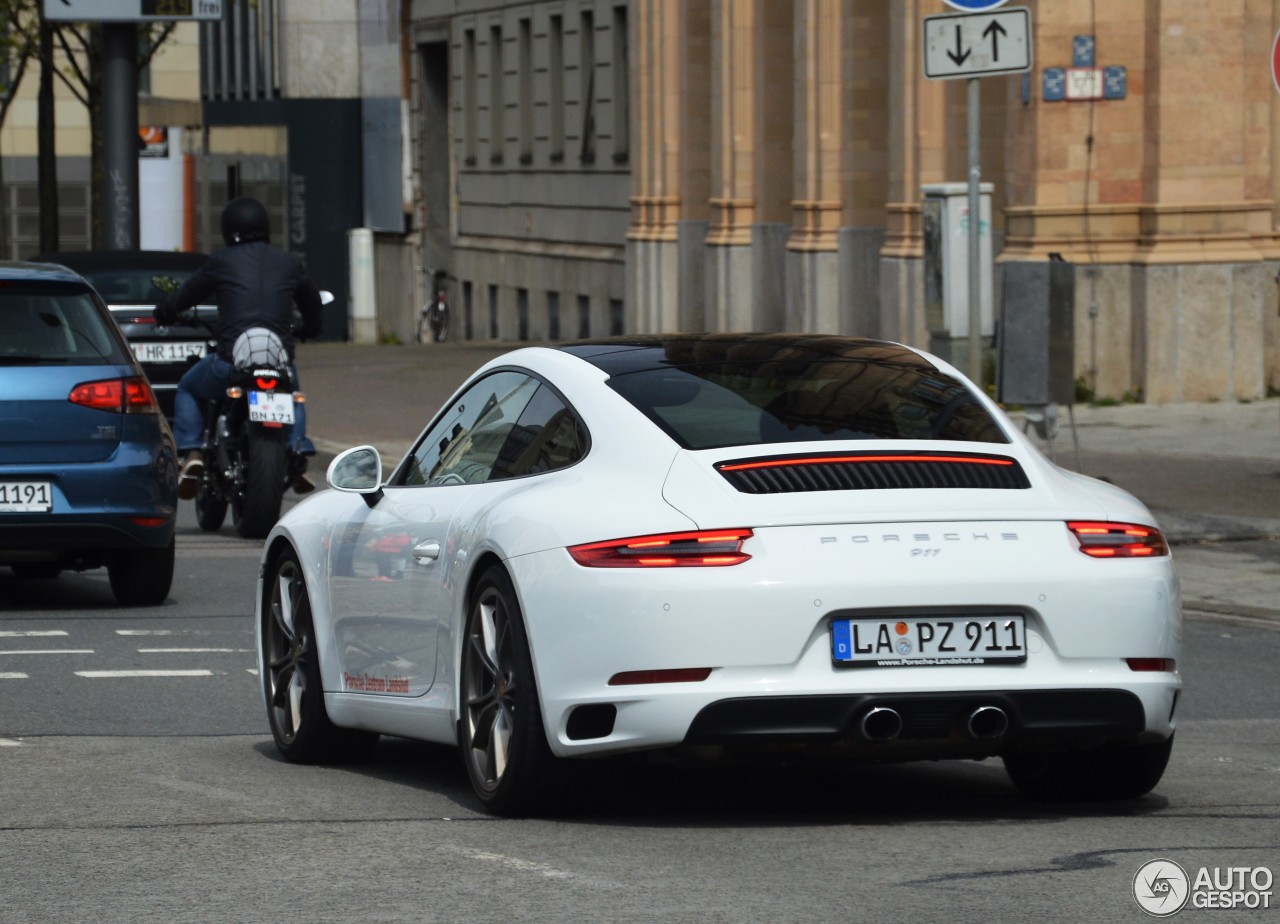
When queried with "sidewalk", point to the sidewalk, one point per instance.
{"points": [[1210, 472]]}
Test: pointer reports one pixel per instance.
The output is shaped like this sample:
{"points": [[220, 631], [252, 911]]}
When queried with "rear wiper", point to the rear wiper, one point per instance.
{"points": [[13, 359]]}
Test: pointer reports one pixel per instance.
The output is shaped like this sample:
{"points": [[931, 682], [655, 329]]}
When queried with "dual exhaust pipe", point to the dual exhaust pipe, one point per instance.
{"points": [[881, 723]]}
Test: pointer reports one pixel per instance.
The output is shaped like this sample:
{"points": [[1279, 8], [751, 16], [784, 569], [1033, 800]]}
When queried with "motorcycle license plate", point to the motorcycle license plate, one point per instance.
{"points": [[271, 407]]}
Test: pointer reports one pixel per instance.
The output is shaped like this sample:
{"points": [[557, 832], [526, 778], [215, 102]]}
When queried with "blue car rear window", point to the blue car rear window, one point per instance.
{"points": [[711, 405], [55, 323]]}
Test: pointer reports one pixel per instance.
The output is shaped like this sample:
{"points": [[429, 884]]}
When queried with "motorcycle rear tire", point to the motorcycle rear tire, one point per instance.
{"points": [[258, 507], [211, 507]]}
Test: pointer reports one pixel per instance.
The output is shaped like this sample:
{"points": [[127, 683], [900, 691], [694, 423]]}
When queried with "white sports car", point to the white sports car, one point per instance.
{"points": [[743, 540]]}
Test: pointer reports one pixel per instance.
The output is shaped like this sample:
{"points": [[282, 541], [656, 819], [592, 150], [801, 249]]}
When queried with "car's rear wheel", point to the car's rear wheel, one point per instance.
{"points": [[504, 747], [291, 683], [1107, 773], [141, 577]]}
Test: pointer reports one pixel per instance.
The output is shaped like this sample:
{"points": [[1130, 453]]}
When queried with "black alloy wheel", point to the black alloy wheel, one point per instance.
{"points": [[504, 747], [291, 681]]}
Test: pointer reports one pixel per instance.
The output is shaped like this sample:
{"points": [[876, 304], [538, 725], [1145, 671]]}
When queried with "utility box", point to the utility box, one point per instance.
{"points": [[946, 263], [1035, 347]]}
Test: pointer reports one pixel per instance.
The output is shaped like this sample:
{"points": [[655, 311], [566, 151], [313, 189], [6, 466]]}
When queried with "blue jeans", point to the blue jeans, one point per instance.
{"points": [[206, 382]]}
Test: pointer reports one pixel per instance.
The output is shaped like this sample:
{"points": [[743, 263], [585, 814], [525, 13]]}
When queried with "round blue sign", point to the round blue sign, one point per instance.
{"points": [[974, 6]]}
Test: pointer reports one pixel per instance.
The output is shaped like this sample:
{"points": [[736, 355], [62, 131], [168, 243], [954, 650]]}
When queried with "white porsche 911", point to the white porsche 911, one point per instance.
{"points": [[711, 539]]}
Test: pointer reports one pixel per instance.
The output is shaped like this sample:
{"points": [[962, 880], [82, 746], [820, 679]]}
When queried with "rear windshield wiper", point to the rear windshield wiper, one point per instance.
{"points": [[14, 359]]}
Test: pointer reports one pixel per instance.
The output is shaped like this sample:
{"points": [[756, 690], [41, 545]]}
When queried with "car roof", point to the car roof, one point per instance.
{"points": [[646, 352], [89, 260], [37, 272]]}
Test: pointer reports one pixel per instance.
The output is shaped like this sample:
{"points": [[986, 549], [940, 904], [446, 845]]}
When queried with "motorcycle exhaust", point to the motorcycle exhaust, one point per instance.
{"points": [[880, 723], [988, 722]]}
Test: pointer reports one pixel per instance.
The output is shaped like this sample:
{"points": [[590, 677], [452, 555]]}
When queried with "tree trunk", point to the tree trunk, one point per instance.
{"points": [[46, 152]]}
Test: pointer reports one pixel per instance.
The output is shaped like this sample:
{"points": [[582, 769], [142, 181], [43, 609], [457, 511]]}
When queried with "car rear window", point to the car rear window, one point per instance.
{"points": [[55, 323], [131, 286], [708, 406]]}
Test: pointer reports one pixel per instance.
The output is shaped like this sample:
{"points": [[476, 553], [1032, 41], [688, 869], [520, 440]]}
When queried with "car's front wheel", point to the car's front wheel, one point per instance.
{"points": [[504, 747], [1108, 773], [291, 682], [141, 577]]}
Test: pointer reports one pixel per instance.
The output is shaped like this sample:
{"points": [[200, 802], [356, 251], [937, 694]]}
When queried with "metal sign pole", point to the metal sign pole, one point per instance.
{"points": [[120, 135], [973, 119]]}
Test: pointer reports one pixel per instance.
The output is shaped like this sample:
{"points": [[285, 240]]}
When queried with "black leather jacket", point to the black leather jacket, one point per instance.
{"points": [[255, 285]]}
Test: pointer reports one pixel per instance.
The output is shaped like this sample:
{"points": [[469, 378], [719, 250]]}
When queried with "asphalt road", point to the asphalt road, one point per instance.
{"points": [[159, 797]]}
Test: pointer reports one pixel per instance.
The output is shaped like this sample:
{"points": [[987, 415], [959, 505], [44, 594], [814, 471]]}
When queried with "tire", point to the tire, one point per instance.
{"points": [[141, 577], [291, 683], [258, 508], [440, 326], [211, 506], [1105, 774], [36, 570], [500, 733]]}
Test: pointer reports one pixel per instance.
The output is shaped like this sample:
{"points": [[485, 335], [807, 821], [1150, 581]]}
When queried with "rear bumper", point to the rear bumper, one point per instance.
{"points": [[1037, 719]]}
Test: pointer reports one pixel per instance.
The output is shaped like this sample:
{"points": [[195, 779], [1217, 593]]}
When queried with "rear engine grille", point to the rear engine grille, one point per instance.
{"points": [[867, 471]]}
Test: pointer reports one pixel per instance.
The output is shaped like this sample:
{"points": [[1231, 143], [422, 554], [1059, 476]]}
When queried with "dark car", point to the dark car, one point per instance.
{"points": [[124, 280], [88, 467]]}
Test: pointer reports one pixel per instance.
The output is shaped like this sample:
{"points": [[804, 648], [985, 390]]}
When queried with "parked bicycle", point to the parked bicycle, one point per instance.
{"points": [[433, 319]]}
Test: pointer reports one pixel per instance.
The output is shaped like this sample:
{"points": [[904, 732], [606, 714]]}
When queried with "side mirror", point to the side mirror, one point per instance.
{"points": [[357, 471]]}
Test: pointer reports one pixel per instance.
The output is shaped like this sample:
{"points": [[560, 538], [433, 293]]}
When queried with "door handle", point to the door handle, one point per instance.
{"points": [[426, 552]]}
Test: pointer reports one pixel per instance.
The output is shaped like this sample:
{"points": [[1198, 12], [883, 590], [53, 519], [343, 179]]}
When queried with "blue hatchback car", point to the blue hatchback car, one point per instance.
{"points": [[88, 467]]}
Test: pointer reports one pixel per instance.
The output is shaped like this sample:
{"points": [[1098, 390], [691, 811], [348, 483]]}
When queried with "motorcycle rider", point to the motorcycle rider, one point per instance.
{"points": [[255, 285]]}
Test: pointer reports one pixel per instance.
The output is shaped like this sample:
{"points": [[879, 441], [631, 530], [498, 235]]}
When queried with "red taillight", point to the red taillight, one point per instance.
{"points": [[267, 384], [1160, 665], [1118, 540], [674, 675], [704, 549], [149, 522], [120, 396]]}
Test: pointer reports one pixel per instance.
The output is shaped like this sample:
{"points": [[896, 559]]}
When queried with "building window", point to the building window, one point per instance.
{"points": [[493, 312], [553, 315], [615, 317], [469, 91], [587, 91], [495, 95], [621, 86], [526, 91], [584, 316], [555, 71], [522, 313], [468, 305]]}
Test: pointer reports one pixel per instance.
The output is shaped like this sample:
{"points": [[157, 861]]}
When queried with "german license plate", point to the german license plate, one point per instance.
{"points": [[25, 497], [169, 352], [271, 406], [929, 641]]}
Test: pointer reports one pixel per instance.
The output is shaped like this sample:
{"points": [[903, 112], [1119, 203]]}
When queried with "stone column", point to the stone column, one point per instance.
{"points": [[917, 151], [821, 99]]}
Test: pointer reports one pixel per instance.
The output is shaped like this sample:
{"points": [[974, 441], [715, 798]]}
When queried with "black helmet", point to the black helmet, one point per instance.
{"points": [[243, 220]]}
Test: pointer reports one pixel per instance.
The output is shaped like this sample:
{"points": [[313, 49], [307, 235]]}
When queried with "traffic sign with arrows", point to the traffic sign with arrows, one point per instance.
{"points": [[977, 44]]}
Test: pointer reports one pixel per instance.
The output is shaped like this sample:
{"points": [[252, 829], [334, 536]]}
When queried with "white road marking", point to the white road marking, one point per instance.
{"points": [[144, 632], [44, 651], [100, 675], [193, 650], [14, 676], [252, 670], [33, 633], [9, 743]]}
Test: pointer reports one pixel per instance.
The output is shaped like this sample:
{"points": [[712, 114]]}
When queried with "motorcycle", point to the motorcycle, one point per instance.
{"points": [[248, 464]]}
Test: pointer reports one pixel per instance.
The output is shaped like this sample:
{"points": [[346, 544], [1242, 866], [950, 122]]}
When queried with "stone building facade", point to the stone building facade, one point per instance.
{"points": [[765, 172]]}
